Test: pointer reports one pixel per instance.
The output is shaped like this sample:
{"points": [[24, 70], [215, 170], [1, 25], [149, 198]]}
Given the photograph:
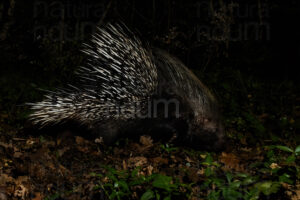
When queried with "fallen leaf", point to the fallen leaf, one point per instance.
{"points": [[137, 161], [149, 170], [274, 166], [231, 161], [189, 160], [160, 160], [146, 140], [3, 193], [4, 179], [124, 165], [79, 140], [37, 196], [21, 192], [18, 154]]}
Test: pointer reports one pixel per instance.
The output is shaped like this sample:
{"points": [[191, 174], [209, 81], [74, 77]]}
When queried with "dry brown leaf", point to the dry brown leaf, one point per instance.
{"points": [[150, 170], [146, 140], [174, 159], [21, 192], [99, 140], [79, 140], [274, 166], [83, 149], [138, 149], [201, 171], [124, 165], [3, 196], [231, 161], [243, 141], [137, 161], [62, 151], [189, 160], [160, 160], [203, 156], [30, 142], [37, 196], [247, 149], [18, 154], [193, 174], [6, 145], [4, 179], [3, 193], [296, 196]]}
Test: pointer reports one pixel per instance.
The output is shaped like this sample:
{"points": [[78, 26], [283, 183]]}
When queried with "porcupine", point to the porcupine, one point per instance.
{"points": [[126, 87]]}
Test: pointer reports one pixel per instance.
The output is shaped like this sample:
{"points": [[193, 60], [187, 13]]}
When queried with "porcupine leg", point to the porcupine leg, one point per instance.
{"points": [[164, 132]]}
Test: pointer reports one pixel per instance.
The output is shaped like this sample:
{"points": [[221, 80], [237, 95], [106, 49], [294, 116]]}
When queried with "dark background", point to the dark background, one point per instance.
{"points": [[247, 52], [263, 37]]}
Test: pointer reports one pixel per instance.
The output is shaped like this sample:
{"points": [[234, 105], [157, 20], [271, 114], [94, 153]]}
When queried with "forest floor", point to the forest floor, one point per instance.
{"points": [[261, 159], [71, 167]]}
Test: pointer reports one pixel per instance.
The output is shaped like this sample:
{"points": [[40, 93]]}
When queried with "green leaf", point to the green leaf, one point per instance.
{"points": [[213, 195], [242, 175], [168, 197], [208, 160], [268, 187], [124, 185], [149, 194], [231, 194], [162, 182], [235, 184], [284, 148], [157, 196], [134, 172], [53, 197], [285, 178], [297, 150], [249, 180], [208, 172], [229, 177], [253, 194], [218, 182], [291, 159], [270, 153]]}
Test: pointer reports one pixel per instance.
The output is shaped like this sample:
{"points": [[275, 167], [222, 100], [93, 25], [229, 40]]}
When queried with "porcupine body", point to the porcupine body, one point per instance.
{"points": [[126, 88]]}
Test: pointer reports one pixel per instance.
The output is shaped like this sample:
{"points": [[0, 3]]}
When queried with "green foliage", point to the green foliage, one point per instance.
{"points": [[268, 187], [168, 148], [234, 185], [53, 197], [120, 184], [289, 156], [288, 159]]}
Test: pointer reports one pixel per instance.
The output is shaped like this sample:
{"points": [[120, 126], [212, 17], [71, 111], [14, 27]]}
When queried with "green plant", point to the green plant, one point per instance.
{"points": [[53, 197], [238, 186], [168, 148], [234, 186], [282, 165], [120, 184]]}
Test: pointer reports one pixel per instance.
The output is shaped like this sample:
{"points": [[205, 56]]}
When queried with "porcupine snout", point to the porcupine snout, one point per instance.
{"points": [[207, 135]]}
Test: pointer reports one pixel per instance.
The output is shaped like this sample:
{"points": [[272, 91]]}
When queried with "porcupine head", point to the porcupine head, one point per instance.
{"points": [[198, 109]]}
